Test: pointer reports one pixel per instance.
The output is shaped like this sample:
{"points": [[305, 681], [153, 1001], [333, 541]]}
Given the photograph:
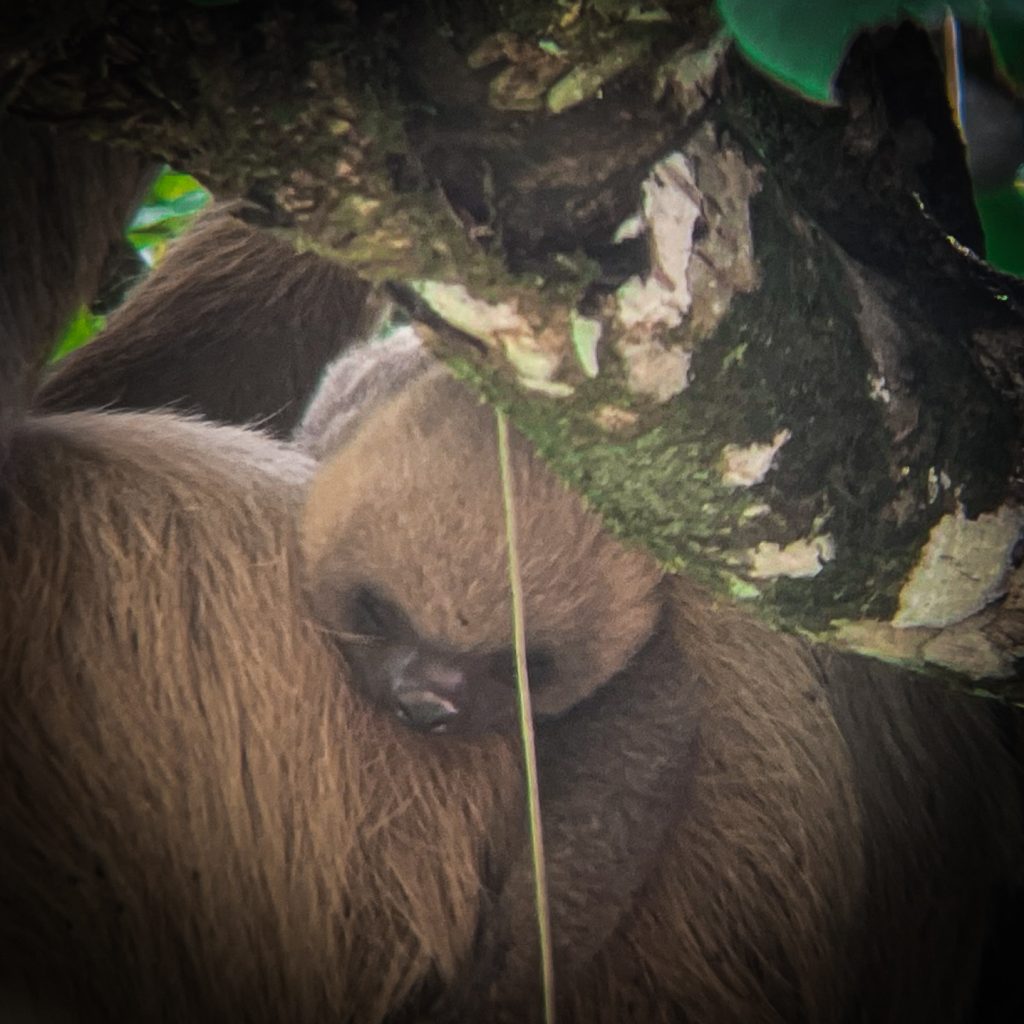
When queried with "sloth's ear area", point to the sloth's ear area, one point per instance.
{"points": [[356, 385]]}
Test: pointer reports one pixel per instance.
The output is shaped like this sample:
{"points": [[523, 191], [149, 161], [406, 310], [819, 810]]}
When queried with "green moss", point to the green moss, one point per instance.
{"points": [[657, 488], [776, 361]]}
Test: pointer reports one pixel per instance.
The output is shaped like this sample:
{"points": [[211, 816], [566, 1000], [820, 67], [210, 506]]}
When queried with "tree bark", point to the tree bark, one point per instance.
{"points": [[753, 331]]}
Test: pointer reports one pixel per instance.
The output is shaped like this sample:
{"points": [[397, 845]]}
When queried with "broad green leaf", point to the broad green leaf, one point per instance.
{"points": [[181, 206], [144, 239], [169, 206], [1005, 23], [803, 42], [1002, 218], [172, 184]]}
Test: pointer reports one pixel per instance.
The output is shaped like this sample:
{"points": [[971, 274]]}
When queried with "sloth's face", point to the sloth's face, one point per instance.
{"points": [[406, 561], [428, 686]]}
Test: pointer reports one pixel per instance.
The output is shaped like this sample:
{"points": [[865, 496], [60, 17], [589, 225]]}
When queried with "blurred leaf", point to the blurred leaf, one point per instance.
{"points": [[172, 184], [168, 208], [145, 239], [1005, 25], [1002, 219], [83, 326], [183, 205], [151, 242], [171, 203], [802, 42]]}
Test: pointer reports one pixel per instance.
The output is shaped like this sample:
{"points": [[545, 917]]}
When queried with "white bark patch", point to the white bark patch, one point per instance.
{"points": [[963, 567], [964, 648], [879, 390], [552, 388], [489, 322], [690, 71], [615, 420], [746, 466], [654, 371], [801, 559], [632, 227], [723, 264], [937, 483], [671, 209], [970, 652], [692, 280], [495, 324]]}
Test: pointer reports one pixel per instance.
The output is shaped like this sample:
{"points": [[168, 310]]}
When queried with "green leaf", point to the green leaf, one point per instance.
{"points": [[803, 42], [83, 326], [168, 208], [144, 239], [181, 206], [172, 184], [1005, 25], [1002, 219]]}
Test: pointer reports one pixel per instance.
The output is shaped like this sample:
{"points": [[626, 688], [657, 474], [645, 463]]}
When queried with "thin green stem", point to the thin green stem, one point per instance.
{"points": [[540, 886]]}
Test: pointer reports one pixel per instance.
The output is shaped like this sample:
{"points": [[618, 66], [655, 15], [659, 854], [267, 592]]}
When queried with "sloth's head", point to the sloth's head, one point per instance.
{"points": [[404, 539]]}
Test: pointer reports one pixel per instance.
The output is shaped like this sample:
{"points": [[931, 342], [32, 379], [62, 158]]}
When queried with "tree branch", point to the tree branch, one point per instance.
{"points": [[751, 330]]}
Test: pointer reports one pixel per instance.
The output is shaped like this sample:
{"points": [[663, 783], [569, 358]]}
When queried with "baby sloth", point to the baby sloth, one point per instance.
{"points": [[836, 817], [405, 539], [405, 550]]}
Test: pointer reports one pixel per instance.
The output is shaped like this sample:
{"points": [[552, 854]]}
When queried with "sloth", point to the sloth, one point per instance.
{"points": [[226, 282], [194, 823], [408, 456], [404, 542], [642, 688], [201, 818]]}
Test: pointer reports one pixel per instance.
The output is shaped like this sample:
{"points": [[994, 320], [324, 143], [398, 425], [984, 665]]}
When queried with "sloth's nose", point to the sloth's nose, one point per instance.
{"points": [[427, 691], [425, 709]]}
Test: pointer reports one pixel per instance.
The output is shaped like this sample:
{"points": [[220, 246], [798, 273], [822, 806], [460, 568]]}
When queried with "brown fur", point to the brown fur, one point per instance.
{"points": [[233, 325], [410, 504], [198, 821], [832, 866], [53, 241], [183, 836], [426, 470], [844, 816]]}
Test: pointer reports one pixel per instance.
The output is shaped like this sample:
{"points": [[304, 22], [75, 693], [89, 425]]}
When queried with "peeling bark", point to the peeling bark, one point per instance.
{"points": [[752, 331]]}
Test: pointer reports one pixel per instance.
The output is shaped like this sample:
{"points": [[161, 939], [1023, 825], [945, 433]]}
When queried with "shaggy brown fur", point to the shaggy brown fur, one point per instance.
{"points": [[198, 820], [53, 241], [194, 819], [410, 506], [186, 833], [833, 866], [233, 324], [426, 467], [850, 825]]}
